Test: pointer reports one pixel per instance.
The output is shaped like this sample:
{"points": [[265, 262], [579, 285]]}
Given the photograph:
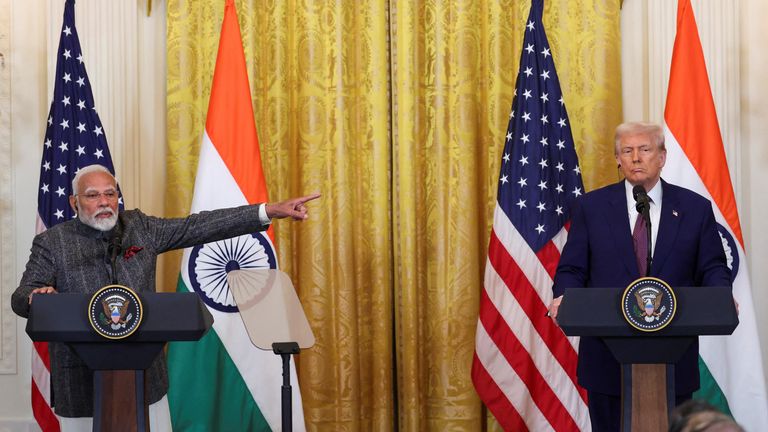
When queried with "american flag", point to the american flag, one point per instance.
{"points": [[74, 138], [524, 368]]}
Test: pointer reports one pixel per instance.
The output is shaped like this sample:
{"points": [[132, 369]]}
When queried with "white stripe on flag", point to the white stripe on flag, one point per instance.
{"points": [[508, 381], [41, 376], [528, 262], [560, 238], [518, 248], [517, 321], [215, 187]]}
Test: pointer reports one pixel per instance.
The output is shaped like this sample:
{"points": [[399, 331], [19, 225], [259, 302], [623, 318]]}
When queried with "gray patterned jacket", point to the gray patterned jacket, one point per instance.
{"points": [[71, 258]]}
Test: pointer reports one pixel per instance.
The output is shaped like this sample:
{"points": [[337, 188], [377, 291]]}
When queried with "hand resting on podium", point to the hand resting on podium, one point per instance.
{"points": [[42, 290]]}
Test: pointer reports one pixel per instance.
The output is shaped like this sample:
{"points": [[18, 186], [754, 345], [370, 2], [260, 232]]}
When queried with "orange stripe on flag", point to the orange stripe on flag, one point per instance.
{"points": [[697, 130], [230, 123]]}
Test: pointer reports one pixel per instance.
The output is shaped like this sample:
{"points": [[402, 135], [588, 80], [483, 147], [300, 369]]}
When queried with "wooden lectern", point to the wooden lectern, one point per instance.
{"points": [[118, 397], [647, 359]]}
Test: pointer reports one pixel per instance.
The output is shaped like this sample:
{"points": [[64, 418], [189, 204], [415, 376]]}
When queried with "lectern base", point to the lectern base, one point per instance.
{"points": [[119, 402], [648, 395]]}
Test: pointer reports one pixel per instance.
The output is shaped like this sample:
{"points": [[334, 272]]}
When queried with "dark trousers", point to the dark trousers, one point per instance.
{"points": [[605, 410]]}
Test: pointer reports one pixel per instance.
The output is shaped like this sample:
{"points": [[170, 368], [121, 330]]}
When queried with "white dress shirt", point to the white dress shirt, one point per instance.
{"points": [[263, 218], [655, 210]]}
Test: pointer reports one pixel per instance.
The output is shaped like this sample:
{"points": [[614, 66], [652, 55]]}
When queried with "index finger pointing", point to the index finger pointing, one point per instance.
{"points": [[307, 198]]}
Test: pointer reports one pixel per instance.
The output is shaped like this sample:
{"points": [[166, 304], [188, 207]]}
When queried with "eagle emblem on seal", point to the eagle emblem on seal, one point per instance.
{"points": [[649, 301], [116, 311]]}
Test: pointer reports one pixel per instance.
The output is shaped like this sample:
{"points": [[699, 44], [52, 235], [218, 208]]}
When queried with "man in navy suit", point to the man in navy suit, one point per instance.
{"points": [[685, 246]]}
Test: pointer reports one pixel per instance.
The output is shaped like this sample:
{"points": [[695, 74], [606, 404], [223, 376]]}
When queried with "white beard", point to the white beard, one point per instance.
{"points": [[101, 224]]}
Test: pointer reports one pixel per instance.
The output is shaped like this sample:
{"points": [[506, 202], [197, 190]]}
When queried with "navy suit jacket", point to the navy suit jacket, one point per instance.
{"points": [[599, 253]]}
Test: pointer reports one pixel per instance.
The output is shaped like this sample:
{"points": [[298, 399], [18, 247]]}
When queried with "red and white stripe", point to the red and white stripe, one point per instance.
{"points": [[41, 388], [41, 378], [525, 367]]}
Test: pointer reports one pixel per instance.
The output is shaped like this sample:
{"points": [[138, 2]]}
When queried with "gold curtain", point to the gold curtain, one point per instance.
{"points": [[396, 111]]}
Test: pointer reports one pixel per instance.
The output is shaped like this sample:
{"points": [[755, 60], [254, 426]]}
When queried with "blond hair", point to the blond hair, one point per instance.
{"points": [[651, 130]]}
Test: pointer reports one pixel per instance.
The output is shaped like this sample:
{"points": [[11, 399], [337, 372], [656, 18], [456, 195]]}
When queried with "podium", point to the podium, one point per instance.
{"points": [[647, 359], [118, 398]]}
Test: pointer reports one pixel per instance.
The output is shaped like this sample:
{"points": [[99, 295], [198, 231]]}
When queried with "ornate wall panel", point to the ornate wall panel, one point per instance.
{"points": [[7, 318]]}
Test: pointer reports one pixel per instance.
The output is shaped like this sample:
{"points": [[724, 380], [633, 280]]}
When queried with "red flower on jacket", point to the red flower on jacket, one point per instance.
{"points": [[131, 251]]}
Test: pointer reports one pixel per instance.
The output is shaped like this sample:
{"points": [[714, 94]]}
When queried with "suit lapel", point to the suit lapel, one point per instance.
{"points": [[618, 221], [669, 224]]}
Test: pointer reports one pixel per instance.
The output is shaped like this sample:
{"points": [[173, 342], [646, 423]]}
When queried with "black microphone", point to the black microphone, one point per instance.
{"points": [[643, 206], [641, 198]]}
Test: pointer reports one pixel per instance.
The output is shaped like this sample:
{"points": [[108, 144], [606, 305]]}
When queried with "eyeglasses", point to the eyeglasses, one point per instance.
{"points": [[110, 195]]}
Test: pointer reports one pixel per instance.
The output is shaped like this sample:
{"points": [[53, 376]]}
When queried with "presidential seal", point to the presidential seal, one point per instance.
{"points": [[648, 304], [115, 311]]}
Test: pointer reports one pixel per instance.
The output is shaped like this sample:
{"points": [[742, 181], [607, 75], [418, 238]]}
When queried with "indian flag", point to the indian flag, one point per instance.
{"points": [[223, 382], [731, 367]]}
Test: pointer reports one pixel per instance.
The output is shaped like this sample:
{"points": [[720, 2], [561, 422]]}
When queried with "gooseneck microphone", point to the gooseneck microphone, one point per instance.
{"points": [[643, 206]]}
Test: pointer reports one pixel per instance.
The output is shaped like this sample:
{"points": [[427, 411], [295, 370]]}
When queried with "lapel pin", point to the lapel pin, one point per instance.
{"points": [[674, 212]]}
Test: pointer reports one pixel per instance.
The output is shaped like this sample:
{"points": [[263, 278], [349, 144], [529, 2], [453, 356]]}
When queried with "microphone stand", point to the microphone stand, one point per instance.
{"points": [[643, 207], [115, 245], [114, 248], [648, 259]]}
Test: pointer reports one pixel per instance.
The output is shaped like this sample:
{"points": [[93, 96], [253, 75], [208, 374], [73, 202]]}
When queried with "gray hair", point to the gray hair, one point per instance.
{"points": [[87, 170], [651, 130]]}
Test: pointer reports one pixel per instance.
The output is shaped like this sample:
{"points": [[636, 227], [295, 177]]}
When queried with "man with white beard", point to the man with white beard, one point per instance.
{"points": [[95, 212], [73, 257]]}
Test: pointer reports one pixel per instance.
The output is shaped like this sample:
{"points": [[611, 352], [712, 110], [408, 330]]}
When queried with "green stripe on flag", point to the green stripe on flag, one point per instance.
{"points": [[709, 391], [204, 402]]}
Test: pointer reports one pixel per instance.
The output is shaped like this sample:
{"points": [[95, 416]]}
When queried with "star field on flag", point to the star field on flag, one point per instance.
{"points": [[74, 137], [540, 173]]}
